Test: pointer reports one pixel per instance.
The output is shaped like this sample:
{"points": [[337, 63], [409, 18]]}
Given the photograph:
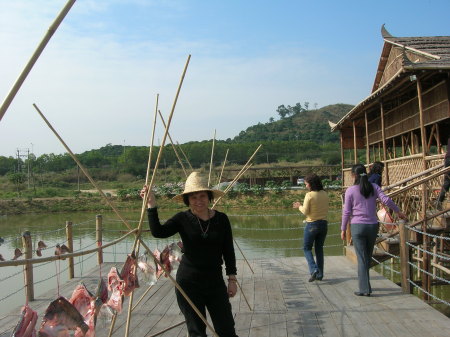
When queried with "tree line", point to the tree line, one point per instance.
{"points": [[133, 159]]}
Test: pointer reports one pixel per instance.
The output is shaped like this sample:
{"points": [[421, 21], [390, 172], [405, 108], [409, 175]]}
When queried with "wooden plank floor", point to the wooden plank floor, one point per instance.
{"points": [[284, 304]]}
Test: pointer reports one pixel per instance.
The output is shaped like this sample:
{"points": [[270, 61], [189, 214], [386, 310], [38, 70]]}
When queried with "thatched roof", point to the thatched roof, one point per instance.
{"points": [[419, 53]]}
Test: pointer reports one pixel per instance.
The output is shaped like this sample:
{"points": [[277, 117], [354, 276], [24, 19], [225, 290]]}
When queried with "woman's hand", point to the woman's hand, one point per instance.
{"points": [[151, 201], [343, 235], [232, 287], [296, 205]]}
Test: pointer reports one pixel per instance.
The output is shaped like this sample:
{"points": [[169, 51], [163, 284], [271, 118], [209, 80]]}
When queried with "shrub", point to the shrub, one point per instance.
{"points": [[273, 186], [257, 190], [243, 188]]}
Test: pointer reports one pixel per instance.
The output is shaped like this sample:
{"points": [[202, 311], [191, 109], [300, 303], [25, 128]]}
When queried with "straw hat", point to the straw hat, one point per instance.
{"points": [[197, 183]]}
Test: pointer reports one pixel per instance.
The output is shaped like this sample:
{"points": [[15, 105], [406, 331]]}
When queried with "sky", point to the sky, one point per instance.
{"points": [[97, 79]]}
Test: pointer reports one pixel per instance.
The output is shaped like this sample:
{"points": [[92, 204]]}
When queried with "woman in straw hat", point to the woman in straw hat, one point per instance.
{"points": [[207, 243]]}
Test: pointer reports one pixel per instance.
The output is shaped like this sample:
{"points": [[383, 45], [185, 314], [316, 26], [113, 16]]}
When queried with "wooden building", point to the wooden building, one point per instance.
{"points": [[405, 121]]}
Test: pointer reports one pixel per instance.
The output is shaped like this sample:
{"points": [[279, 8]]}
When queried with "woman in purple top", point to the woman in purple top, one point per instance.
{"points": [[360, 210]]}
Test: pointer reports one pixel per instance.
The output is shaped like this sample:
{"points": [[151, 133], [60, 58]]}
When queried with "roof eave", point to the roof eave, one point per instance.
{"points": [[368, 98]]}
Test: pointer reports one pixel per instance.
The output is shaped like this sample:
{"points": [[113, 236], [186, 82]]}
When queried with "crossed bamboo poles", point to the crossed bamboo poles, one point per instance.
{"points": [[138, 241]]}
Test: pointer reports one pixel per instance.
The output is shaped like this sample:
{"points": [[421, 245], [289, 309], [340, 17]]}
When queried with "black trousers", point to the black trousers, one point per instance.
{"points": [[206, 292], [446, 184]]}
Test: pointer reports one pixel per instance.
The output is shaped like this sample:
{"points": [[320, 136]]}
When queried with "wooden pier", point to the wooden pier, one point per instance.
{"points": [[283, 304]]}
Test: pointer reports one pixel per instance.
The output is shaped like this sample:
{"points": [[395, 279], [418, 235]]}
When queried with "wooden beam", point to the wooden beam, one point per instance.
{"points": [[383, 139], [355, 150], [426, 259], [367, 138], [342, 156]]}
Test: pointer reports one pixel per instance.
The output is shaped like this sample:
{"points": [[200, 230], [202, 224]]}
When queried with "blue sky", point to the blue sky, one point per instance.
{"points": [[97, 79]]}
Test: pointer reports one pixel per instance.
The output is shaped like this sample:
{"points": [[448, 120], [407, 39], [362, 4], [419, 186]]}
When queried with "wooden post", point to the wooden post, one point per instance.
{"points": [[342, 157], [383, 136], [367, 138], [404, 258], [403, 146], [99, 237], [69, 235], [28, 251], [426, 280], [354, 143]]}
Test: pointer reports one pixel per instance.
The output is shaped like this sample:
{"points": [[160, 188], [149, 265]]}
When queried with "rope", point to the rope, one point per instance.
{"points": [[426, 292], [12, 275], [9, 295], [385, 266], [428, 252], [277, 229], [387, 253], [428, 273], [428, 234]]}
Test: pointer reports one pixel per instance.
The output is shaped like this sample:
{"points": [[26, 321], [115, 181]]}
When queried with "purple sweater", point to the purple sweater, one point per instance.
{"points": [[360, 210]]}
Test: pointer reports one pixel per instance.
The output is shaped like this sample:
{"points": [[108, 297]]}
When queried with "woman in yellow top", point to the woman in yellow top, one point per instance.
{"points": [[315, 208]]}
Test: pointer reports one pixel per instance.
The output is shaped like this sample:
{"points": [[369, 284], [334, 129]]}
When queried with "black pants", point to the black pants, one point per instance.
{"points": [[206, 292], [446, 184]]}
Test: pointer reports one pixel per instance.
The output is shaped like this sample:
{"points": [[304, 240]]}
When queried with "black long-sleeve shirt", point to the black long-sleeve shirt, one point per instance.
{"points": [[203, 254]]}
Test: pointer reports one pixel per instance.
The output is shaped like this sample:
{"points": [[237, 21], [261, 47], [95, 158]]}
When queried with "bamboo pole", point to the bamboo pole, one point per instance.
{"points": [[173, 146], [212, 156], [240, 173], [28, 267], [243, 294], [354, 143], [383, 137], [404, 258], [99, 237], [34, 57], [69, 234], [120, 216], [244, 168], [130, 302], [223, 167], [401, 182], [230, 186], [145, 293], [185, 157], [167, 329], [366, 123], [426, 263], [149, 161]]}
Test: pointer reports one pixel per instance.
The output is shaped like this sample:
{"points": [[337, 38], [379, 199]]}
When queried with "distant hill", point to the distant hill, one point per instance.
{"points": [[298, 123]]}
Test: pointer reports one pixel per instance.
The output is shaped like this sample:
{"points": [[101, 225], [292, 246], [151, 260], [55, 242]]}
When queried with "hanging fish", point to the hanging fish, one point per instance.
{"points": [[83, 300], [17, 253], [27, 322], [60, 317], [41, 246], [129, 274], [61, 249], [115, 285], [148, 272], [101, 297]]}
